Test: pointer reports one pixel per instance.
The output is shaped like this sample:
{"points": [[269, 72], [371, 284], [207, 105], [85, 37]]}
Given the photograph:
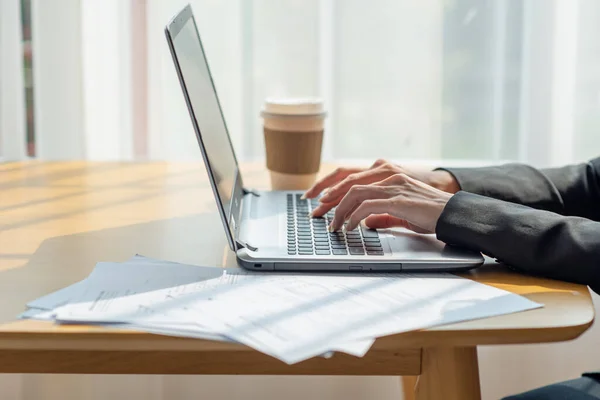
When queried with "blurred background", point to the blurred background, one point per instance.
{"points": [[432, 79], [452, 80]]}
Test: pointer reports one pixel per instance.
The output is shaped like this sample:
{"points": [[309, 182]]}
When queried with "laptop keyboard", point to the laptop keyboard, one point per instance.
{"points": [[309, 236]]}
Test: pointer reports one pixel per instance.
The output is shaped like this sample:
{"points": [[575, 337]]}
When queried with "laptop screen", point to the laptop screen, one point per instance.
{"points": [[204, 107]]}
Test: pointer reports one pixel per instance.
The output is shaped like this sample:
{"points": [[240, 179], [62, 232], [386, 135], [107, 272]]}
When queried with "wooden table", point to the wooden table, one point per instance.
{"points": [[58, 219]]}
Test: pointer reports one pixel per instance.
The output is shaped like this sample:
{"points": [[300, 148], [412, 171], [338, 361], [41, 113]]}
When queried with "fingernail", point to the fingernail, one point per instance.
{"points": [[311, 214], [303, 197], [330, 228]]}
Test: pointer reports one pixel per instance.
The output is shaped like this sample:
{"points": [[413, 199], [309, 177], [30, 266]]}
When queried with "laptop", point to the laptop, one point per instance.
{"points": [[271, 230]]}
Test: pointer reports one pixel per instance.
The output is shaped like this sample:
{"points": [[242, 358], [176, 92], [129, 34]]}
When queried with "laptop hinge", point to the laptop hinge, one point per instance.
{"points": [[242, 245], [250, 191]]}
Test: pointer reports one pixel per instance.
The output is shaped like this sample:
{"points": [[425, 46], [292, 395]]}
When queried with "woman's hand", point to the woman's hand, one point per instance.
{"points": [[342, 179], [396, 201]]}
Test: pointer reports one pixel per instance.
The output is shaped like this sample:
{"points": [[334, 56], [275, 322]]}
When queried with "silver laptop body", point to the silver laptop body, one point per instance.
{"points": [[270, 230]]}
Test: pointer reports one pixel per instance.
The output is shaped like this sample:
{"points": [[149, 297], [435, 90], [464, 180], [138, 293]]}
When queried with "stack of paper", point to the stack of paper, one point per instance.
{"points": [[292, 317]]}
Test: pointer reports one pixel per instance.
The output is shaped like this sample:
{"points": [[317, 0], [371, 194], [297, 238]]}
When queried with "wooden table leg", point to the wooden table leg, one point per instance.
{"points": [[449, 373], [408, 387]]}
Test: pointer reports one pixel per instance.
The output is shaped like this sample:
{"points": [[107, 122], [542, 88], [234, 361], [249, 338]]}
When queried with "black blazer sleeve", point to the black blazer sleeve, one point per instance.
{"points": [[538, 242], [572, 190]]}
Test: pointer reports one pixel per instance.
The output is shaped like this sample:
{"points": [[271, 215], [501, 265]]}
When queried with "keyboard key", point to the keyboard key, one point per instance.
{"points": [[339, 252], [305, 253], [371, 240], [322, 252], [356, 250], [369, 233], [291, 253], [352, 240], [338, 246], [375, 253], [355, 245], [321, 240], [317, 247]]}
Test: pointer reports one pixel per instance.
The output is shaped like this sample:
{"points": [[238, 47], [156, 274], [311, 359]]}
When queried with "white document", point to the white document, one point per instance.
{"points": [[297, 318], [37, 314], [147, 305], [136, 265], [56, 299], [357, 348], [145, 298]]}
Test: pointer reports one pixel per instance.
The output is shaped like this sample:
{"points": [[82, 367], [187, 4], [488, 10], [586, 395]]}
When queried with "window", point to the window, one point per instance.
{"points": [[461, 79]]}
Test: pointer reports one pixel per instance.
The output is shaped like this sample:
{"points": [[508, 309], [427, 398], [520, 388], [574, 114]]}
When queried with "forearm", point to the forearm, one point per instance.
{"points": [[535, 241], [515, 183], [579, 188], [572, 190]]}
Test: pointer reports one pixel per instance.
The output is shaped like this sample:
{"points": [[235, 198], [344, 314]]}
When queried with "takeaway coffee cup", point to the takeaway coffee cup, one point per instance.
{"points": [[293, 130]]}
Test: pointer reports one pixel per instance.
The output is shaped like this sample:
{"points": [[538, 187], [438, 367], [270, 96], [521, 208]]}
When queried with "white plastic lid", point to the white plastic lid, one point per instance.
{"points": [[294, 106]]}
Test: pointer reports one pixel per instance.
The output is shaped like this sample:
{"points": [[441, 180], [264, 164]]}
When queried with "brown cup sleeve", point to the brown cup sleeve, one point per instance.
{"points": [[293, 152]]}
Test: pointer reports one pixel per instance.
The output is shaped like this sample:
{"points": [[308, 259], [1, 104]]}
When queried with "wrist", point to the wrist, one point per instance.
{"points": [[444, 180]]}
